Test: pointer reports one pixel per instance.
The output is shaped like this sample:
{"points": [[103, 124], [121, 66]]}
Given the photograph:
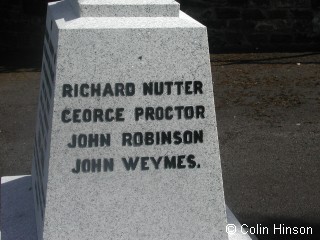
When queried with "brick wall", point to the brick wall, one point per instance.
{"points": [[265, 25], [233, 25]]}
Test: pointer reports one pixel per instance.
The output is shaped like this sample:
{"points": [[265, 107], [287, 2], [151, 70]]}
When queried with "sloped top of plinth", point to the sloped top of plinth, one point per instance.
{"points": [[126, 8]]}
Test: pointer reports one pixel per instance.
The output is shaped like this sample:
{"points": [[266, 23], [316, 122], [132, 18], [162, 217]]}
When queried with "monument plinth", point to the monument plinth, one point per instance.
{"points": [[125, 8], [126, 145]]}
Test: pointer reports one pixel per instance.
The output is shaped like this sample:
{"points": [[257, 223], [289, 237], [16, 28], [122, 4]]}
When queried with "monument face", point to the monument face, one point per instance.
{"points": [[126, 144]]}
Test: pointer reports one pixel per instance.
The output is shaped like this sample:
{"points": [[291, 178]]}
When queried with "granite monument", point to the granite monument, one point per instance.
{"points": [[126, 145]]}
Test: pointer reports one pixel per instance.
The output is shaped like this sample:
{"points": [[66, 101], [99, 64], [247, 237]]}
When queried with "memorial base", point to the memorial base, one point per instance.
{"points": [[17, 211]]}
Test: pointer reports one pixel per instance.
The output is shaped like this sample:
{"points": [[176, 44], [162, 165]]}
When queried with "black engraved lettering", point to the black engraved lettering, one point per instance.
{"points": [[169, 86], [108, 165], [187, 137], [191, 162], [86, 165], [197, 86], [93, 140], [179, 86], [200, 111], [179, 111], [119, 89], [170, 163], [168, 115], [78, 166], [149, 113], [76, 115], [76, 90], [157, 138], [137, 139], [108, 115], [180, 161], [96, 90], [130, 164], [82, 140], [126, 139], [188, 112], [119, 113], [130, 89], [144, 163], [148, 88], [155, 162], [87, 115], [165, 138], [73, 142], [158, 88], [198, 136], [105, 140], [96, 165], [84, 90], [177, 137], [149, 138], [97, 115], [159, 113], [90, 140], [64, 116], [188, 90], [138, 111], [107, 90]]}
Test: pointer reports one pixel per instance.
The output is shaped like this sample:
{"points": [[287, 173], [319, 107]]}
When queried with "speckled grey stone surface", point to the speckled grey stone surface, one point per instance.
{"points": [[17, 211], [175, 191], [126, 8]]}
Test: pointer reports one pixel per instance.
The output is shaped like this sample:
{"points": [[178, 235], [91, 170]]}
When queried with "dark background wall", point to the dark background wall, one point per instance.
{"points": [[233, 25], [21, 24], [265, 25]]}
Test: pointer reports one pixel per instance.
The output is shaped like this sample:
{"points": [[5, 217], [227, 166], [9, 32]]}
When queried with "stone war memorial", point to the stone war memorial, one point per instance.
{"points": [[126, 144]]}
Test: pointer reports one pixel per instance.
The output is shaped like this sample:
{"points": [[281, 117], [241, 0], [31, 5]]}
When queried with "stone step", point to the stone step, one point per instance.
{"points": [[126, 8]]}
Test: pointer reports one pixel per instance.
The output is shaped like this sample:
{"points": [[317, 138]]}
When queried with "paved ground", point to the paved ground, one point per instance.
{"points": [[268, 112]]}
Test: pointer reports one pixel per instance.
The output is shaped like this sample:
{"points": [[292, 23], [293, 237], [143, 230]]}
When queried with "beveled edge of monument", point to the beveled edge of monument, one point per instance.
{"points": [[126, 8], [65, 18], [127, 2]]}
